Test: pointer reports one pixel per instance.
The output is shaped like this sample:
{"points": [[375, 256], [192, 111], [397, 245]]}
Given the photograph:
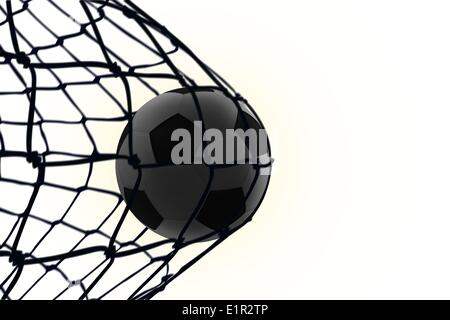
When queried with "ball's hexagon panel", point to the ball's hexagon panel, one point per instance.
{"points": [[175, 191]]}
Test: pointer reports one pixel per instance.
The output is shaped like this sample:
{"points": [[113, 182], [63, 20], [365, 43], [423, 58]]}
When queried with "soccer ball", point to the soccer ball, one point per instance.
{"points": [[195, 201]]}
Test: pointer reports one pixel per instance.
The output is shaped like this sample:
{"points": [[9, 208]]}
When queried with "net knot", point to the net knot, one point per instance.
{"points": [[23, 59], [17, 258], [166, 278], [128, 13], [134, 161], [115, 69], [178, 244], [34, 159], [110, 252], [51, 267]]}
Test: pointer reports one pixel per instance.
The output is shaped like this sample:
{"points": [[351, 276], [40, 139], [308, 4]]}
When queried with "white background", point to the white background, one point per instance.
{"points": [[356, 97]]}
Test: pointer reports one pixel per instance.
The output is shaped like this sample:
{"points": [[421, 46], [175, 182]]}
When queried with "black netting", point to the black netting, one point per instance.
{"points": [[74, 56]]}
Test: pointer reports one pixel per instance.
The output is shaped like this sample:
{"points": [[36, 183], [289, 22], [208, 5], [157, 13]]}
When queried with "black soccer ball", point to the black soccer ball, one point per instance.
{"points": [[212, 198]]}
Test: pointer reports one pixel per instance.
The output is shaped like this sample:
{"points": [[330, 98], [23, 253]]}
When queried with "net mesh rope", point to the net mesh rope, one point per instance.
{"points": [[27, 60]]}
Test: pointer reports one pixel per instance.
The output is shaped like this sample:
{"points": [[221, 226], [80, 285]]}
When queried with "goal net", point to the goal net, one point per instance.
{"points": [[72, 75]]}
